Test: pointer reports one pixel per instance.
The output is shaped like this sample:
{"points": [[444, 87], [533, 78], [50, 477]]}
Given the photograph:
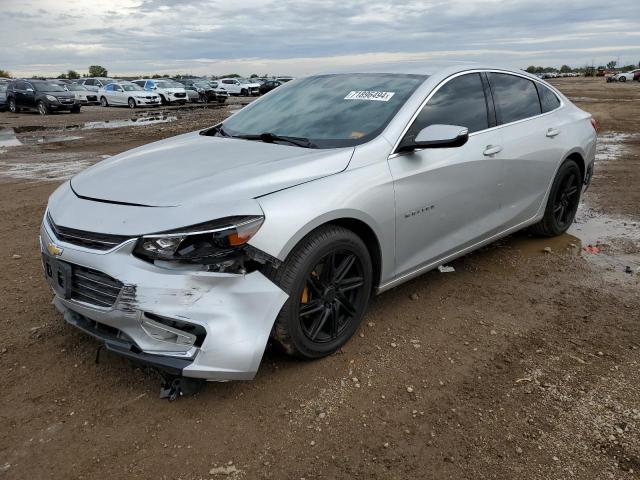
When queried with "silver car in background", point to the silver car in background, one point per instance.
{"points": [[284, 219]]}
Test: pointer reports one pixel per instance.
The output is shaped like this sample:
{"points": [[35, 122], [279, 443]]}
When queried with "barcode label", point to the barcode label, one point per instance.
{"points": [[370, 95]]}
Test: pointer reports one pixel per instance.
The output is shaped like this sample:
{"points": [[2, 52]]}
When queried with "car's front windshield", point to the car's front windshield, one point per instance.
{"points": [[131, 87], [328, 110], [47, 87], [202, 85]]}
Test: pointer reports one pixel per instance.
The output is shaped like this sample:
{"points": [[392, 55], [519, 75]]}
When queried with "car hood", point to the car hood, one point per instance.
{"points": [[194, 168]]}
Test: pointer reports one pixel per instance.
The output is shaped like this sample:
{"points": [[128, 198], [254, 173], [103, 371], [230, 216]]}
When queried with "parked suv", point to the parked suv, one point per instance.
{"points": [[41, 95], [235, 86], [83, 95], [169, 91], [95, 84]]}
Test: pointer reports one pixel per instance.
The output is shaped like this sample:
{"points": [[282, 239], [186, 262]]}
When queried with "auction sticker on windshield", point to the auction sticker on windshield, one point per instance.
{"points": [[369, 95]]}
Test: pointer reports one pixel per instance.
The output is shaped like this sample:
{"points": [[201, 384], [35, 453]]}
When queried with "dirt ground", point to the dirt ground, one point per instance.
{"points": [[520, 364]]}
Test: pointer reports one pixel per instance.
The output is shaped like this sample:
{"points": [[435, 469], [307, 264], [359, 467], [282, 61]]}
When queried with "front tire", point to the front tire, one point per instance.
{"points": [[132, 103], [329, 281], [12, 106], [622, 79], [563, 201], [42, 108]]}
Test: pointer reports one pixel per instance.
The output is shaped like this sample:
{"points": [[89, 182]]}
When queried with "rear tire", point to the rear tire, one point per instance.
{"points": [[329, 279], [563, 201], [103, 102], [12, 106], [622, 79], [42, 108], [243, 92]]}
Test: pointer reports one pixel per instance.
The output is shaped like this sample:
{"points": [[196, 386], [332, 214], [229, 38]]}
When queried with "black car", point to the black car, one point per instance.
{"points": [[3, 96], [41, 95], [269, 85]]}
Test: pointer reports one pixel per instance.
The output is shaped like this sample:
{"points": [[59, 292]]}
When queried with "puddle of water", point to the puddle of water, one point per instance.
{"points": [[39, 171], [8, 138], [611, 145], [132, 122]]}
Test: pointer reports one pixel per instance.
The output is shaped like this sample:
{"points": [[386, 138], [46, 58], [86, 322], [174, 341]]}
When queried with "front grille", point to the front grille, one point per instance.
{"points": [[94, 287], [181, 95], [95, 241], [92, 98]]}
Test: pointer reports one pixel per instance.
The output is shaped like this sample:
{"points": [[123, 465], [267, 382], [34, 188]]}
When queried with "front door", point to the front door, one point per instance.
{"points": [[448, 198]]}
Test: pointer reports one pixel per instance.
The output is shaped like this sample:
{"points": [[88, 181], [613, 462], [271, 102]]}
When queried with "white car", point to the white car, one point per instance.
{"points": [[82, 94], [169, 91], [624, 76], [235, 86], [127, 93], [96, 83], [283, 220]]}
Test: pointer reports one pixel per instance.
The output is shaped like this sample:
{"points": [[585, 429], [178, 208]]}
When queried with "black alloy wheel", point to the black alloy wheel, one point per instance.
{"points": [[329, 279], [332, 296], [563, 201]]}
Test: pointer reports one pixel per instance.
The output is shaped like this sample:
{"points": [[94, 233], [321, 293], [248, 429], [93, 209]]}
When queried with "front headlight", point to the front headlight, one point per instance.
{"points": [[211, 243], [51, 98]]}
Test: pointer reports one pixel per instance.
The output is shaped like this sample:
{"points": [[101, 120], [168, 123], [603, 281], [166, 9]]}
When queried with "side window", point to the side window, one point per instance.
{"points": [[108, 88], [516, 98], [20, 85], [227, 82], [548, 100], [149, 85], [460, 101], [89, 82]]}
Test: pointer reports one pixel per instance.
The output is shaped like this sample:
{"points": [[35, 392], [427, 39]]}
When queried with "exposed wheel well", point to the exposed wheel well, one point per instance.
{"points": [[369, 238], [576, 157]]}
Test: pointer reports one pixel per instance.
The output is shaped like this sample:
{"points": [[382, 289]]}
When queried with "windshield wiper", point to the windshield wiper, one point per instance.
{"points": [[268, 137]]}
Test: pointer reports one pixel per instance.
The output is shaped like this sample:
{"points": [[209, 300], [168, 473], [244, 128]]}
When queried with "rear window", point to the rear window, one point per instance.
{"points": [[516, 98], [548, 100]]}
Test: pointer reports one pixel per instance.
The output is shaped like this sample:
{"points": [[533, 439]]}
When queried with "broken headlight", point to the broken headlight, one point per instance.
{"points": [[220, 243]]}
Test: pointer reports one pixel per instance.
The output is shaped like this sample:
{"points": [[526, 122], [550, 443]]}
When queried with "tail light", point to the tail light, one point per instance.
{"points": [[594, 124]]}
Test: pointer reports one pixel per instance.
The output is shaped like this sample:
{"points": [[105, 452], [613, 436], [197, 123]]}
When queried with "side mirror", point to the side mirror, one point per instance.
{"points": [[29, 90], [436, 136]]}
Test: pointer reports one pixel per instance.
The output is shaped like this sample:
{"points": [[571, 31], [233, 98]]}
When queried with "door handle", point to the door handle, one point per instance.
{"points": [[492, 150], [552, 132]]}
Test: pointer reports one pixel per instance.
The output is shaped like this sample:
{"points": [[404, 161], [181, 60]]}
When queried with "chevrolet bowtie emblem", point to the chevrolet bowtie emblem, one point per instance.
{"points": [[54, 250]]}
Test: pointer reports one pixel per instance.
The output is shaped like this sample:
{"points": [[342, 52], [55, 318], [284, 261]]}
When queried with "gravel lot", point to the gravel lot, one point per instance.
{"points": [[523, 363]]}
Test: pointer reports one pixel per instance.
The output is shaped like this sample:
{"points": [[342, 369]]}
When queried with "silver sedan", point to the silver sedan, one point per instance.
{"points": [[282, 221]]}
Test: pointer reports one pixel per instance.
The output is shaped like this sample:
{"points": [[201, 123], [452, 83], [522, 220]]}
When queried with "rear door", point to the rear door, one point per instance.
{"points": [[532, 129], [447, 198]]}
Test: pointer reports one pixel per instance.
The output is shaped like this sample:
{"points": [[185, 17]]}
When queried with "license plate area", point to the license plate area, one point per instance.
{"points": [[59, 275]]}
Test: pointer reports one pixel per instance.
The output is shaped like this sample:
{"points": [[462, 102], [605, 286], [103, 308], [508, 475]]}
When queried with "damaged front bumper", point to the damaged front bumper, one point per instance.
{"points": [[199, 324]]}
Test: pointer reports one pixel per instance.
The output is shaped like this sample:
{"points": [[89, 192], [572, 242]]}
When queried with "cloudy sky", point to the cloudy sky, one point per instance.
{"points": [[306, 36]]}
